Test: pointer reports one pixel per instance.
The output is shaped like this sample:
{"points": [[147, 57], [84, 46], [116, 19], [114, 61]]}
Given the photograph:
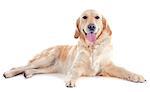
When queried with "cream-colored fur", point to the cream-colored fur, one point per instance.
{"points": [[84, 59]]}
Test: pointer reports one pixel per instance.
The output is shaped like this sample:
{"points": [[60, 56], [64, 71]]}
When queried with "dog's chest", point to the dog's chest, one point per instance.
{"points": [[99, 56], [95, 61]]}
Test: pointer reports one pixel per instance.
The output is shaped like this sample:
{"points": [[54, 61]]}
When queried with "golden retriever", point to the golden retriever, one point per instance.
{"points": [[90, 57]]}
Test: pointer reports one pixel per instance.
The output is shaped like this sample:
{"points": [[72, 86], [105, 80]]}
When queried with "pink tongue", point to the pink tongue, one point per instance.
{"points": [[91, 37]]}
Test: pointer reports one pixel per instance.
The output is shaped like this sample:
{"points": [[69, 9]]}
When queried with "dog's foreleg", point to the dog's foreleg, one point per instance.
{"points": [[115, 71], [75, 72]]}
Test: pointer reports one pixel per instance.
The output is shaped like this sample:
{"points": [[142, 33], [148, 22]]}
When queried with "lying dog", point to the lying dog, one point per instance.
{"points": [[90, 57]]}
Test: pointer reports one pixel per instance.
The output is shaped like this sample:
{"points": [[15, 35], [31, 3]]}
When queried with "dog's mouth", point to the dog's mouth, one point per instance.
{"points": [[84, 32], [90, 36]]}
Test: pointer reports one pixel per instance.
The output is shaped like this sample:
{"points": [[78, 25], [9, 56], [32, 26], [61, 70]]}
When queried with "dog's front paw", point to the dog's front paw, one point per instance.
{"points": [[136, 78], [70, 84]]}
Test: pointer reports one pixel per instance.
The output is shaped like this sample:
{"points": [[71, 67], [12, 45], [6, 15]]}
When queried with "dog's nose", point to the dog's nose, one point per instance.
{"points": [[91, 27]]}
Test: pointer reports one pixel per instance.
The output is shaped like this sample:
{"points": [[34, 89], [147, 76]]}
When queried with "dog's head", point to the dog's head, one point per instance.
{"points": [[90, 26]]}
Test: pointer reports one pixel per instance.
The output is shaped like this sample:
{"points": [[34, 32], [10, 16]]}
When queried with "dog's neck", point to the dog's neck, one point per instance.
{"points": [[100, 42]]}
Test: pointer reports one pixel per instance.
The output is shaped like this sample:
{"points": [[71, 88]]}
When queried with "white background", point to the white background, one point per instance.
{"points": [[29, 26]]}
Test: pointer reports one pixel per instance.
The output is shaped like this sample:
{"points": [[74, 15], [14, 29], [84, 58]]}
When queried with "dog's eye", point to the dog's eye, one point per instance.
{"points": [[84, 17], [97, 17]]}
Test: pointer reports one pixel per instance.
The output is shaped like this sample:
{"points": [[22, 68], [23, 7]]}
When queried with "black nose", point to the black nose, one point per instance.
{"points": [[91, 27]]}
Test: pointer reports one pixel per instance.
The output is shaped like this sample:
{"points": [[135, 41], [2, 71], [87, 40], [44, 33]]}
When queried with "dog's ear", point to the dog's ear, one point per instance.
{"points": [[106, 27], [77, 32]]}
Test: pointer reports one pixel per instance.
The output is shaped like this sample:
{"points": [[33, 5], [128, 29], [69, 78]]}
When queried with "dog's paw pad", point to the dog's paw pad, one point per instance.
{"points": [[136, 78], [7, 75], [4, 76], [70, 85], [27, 74]]}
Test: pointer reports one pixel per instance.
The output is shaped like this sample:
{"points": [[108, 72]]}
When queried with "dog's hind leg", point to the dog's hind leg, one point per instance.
{"points": [[30, 72], [38, 63], [46, 58], [16, 71]]}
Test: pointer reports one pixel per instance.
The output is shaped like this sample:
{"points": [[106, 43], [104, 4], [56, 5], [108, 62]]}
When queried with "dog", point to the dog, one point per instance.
{"points": [[92, 56]]}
